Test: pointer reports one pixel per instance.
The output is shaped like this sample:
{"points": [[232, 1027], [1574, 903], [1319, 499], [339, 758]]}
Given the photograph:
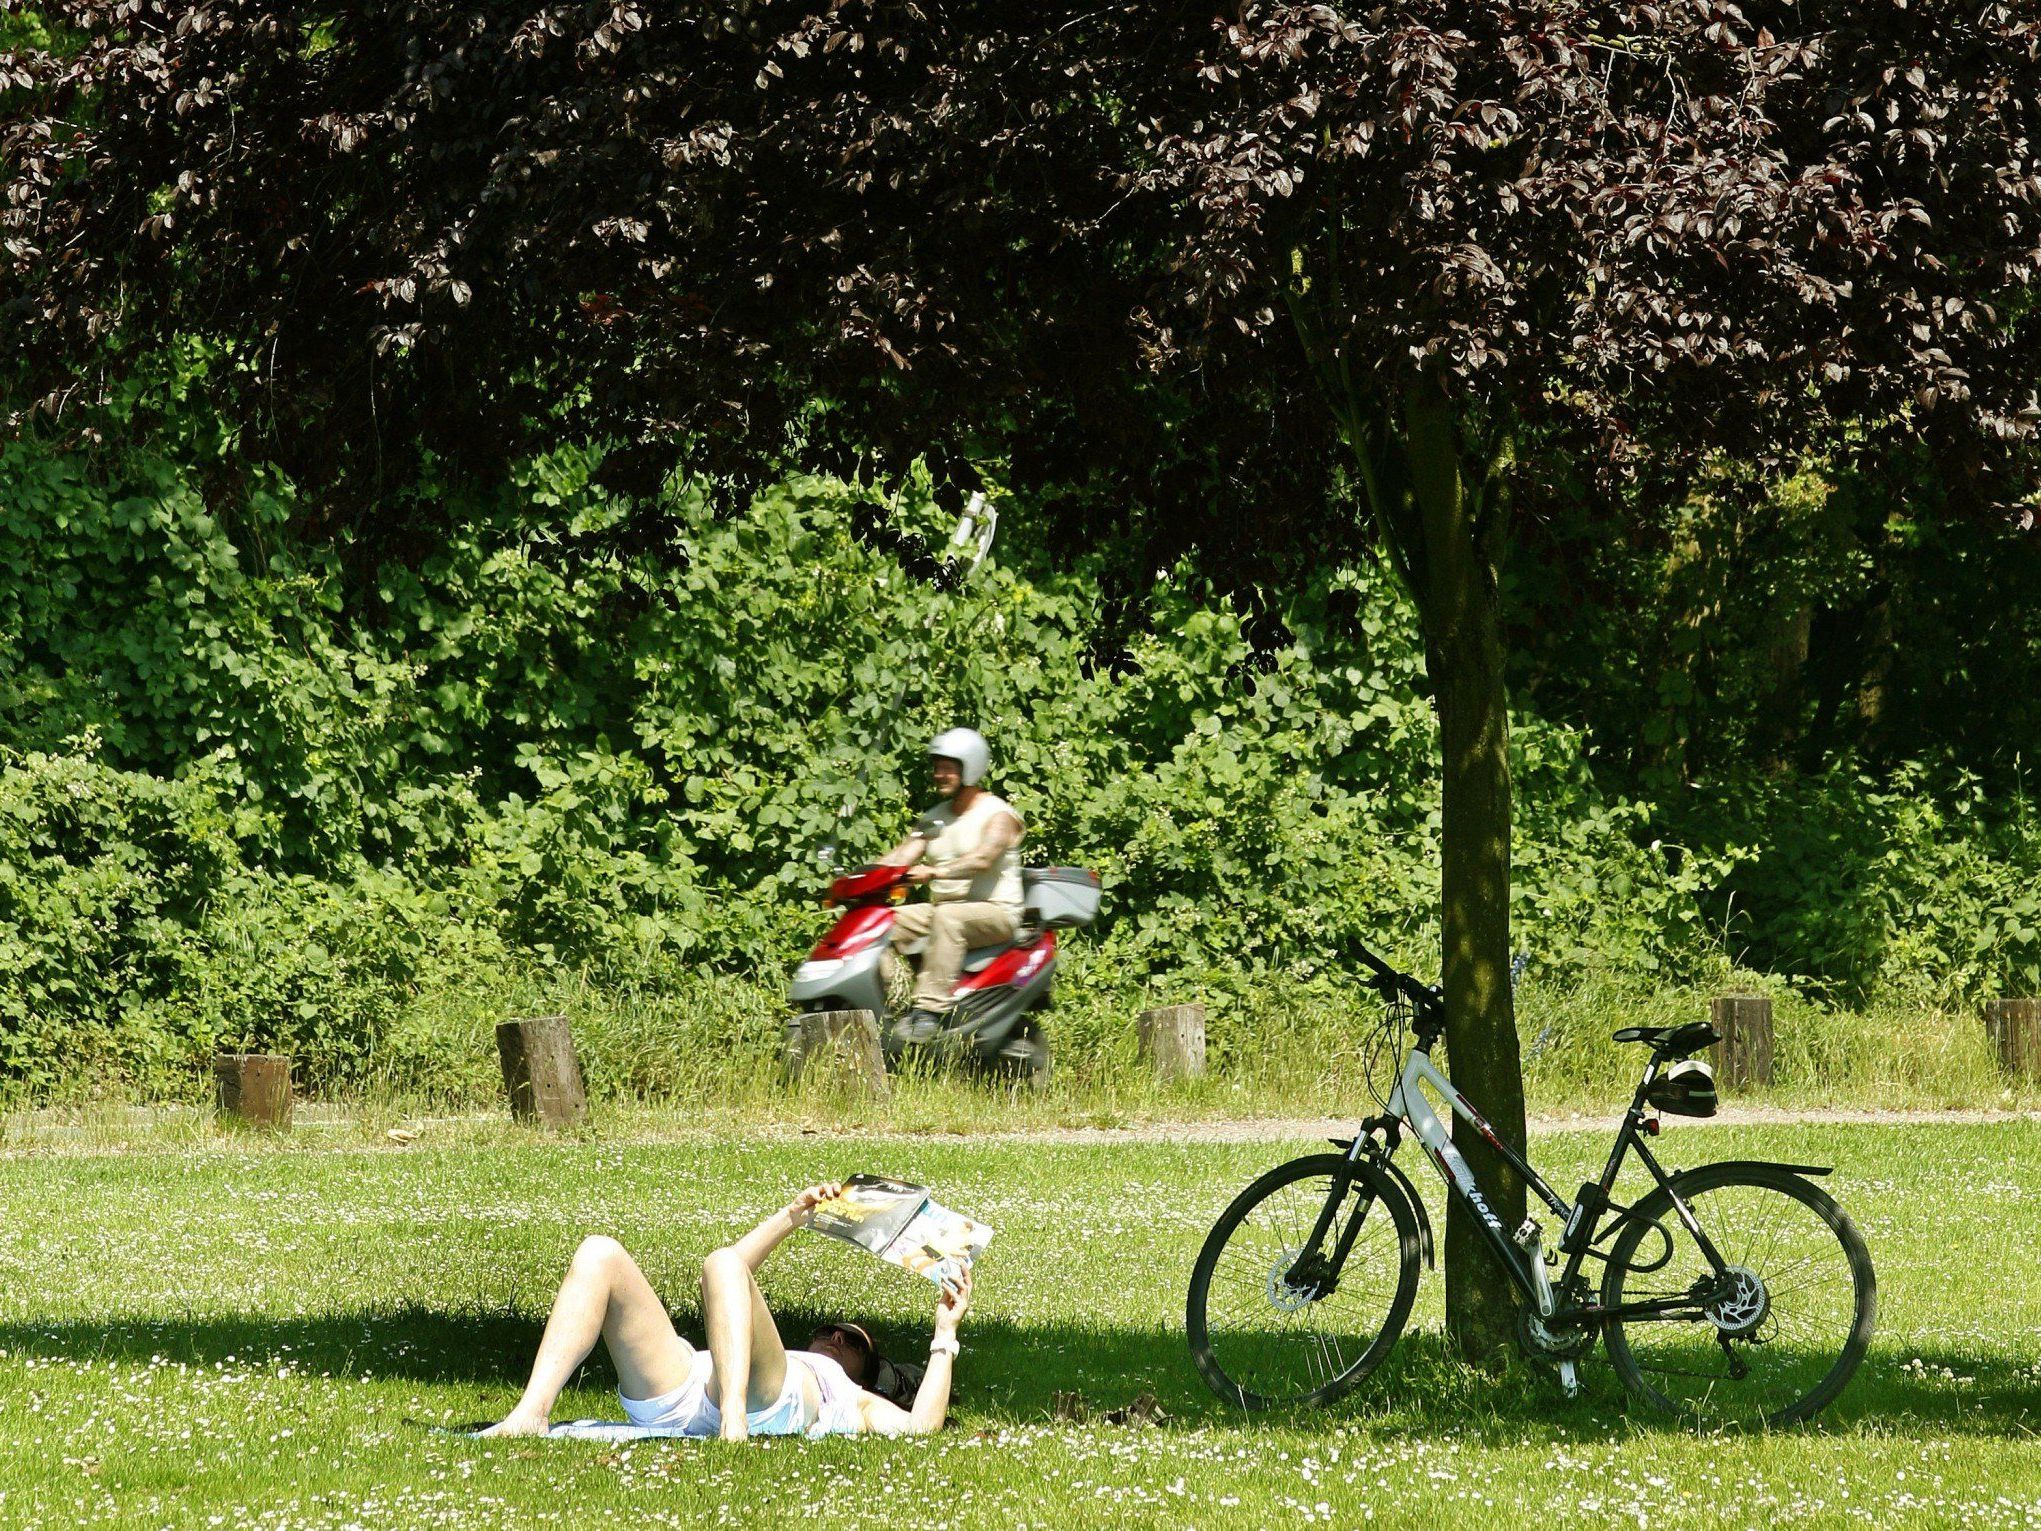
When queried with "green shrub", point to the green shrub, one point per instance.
{"points": [[1866, 890], [104, 876], [136, 937], [585, 747]]}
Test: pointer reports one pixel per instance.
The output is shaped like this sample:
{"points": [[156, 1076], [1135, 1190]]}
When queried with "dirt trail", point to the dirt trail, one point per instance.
{"points": [[1285, 1129], [323, 1127]]}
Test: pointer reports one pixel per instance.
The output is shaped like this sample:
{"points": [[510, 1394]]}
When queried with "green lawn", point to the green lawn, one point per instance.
{"points": [[243, 1333]]}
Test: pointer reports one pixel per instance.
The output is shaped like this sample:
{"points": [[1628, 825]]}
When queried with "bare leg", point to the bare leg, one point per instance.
{"points": [[604, 1295], [750, 1360]]}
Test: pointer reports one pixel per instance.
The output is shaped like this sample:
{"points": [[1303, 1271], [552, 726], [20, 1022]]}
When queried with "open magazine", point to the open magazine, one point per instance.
{"points": [[902, 1224]]}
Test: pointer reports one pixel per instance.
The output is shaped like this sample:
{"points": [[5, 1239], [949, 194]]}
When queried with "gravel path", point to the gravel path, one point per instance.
{"points": [[142, 1128], [1287, 1129]]}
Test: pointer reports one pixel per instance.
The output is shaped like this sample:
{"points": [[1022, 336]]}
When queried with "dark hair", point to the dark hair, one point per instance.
{"points": [[894, 1381], [860, 1341]]}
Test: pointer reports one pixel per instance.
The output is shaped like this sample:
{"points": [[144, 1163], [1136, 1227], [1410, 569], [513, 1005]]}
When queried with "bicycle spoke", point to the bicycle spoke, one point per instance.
{"points": [[1281, 1334], [1786, 1307]]}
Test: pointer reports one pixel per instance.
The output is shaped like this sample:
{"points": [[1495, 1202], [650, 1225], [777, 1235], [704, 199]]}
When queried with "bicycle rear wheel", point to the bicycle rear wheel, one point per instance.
{"points": [[1269, 1322], [1768, 1342]]}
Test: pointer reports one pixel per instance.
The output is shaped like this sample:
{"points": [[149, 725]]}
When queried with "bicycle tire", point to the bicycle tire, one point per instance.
{"points": [[1226, 1356], [1806, 1309]]}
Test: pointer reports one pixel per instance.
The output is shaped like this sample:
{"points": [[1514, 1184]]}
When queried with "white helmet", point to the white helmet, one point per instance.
{"points": [[968, 748]]}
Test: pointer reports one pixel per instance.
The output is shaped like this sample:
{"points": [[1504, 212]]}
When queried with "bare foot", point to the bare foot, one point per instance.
{"points": [[515, 1423], [735, 1428]]}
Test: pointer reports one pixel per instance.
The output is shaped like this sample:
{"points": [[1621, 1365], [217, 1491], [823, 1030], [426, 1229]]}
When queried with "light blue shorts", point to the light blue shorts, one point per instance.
{"points": [[688, 1409]]}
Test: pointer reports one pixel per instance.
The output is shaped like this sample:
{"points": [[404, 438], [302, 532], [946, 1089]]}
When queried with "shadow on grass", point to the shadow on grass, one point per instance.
{"points": [[1020, 1373]]}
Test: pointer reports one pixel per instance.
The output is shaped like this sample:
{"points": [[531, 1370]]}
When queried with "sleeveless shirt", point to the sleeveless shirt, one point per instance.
{"points": [[951, 834]]}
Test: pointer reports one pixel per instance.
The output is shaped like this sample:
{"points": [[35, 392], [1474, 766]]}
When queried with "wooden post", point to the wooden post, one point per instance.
{"points": [[256, 1087], [2014, 1026], [1172, 1041], [1744, 1055], [540, 1072], [841, 1047]]}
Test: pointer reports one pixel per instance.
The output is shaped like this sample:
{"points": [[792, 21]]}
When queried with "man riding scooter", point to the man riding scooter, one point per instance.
{"points": [[966, 850]]}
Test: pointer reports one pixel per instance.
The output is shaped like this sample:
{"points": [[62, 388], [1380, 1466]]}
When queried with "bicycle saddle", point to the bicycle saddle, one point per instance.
{"points": [[1673, 1041]]}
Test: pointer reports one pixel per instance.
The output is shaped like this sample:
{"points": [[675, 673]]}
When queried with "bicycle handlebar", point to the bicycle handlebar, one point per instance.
{"points": [[1392, 984], [1393, 976], [1380, 968]]}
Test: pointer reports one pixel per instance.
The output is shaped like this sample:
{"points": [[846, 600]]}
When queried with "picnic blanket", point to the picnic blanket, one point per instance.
{"points": [[612, 1430]]}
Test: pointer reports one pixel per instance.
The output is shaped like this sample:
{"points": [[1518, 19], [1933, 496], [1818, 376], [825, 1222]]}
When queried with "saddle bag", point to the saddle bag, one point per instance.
{"points": [[1685, 1089]]}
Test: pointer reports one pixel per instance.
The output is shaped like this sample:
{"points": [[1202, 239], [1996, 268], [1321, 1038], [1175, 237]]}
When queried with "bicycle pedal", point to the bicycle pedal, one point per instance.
{"points": [[1569, 1379]]}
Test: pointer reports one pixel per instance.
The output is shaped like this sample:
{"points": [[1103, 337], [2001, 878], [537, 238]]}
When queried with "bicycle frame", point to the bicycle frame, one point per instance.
{"points": [[1522, 1256]]}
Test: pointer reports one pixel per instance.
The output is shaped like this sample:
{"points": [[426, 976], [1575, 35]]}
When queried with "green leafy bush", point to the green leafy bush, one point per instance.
{"points": [[1902, 888], [136, 935], [587, 744]]}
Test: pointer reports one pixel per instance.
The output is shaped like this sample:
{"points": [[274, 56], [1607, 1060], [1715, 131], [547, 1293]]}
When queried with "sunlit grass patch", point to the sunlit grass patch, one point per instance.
{"points": [[230, 1330]]}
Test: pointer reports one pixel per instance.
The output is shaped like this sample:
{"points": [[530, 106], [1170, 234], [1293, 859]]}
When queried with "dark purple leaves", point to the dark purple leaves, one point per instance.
{"points": [[1619, 211]]}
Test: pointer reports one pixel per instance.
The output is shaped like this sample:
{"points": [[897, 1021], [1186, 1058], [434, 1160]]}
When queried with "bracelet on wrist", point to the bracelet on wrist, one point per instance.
{"points": [[944, 1345]]}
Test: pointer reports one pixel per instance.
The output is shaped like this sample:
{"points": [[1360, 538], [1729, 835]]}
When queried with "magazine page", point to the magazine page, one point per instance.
{"points": [[871, 1211], [938, 1243]]}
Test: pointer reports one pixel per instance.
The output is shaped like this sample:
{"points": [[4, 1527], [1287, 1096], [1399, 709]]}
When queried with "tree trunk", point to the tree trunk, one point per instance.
{"points": [[1461, 607], [1777, 728]]}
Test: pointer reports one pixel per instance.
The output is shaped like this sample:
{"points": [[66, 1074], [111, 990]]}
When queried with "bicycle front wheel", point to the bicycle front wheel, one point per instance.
{"points": [[1272, 1322], [1767, 1340]]}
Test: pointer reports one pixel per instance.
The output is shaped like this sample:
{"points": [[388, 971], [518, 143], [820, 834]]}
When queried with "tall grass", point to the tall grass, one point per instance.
{"points": [[708, 1048]]}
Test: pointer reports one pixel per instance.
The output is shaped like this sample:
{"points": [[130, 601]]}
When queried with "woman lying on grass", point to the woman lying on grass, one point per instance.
{"points": [[746, 1383]]}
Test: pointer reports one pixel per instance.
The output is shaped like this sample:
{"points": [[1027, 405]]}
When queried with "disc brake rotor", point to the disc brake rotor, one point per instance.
{"points": [[1741, 1303], [1283, 1296]]}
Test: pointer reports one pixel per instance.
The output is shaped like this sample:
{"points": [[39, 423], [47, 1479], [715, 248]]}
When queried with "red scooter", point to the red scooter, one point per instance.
{"points": [[993, 1019]]}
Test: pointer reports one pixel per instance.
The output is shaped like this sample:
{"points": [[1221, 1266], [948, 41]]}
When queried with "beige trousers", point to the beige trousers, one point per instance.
{"points": [[952, 930]]}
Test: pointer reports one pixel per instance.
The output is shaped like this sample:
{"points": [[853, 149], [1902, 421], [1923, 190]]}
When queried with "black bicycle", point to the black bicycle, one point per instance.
{"points": [[1736, 1293]]}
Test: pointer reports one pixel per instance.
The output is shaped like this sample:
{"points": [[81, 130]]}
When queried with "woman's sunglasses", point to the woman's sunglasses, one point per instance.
{"points": [[855, 1337]]}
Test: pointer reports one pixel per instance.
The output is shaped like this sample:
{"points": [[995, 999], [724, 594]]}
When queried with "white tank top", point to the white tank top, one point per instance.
{"points": [[839, 1414], [951, 834]]}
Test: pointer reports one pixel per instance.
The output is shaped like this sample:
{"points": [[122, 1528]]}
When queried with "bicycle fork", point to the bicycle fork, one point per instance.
{"points": [[1319, 1271]]}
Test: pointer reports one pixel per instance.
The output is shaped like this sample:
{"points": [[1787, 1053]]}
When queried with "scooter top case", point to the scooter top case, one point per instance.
{"points": [[1059, 898]]}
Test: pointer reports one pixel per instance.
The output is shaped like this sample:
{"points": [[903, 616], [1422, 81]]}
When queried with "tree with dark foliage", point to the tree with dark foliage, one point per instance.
{"points": [[1646, 228], [1434, 234]]}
